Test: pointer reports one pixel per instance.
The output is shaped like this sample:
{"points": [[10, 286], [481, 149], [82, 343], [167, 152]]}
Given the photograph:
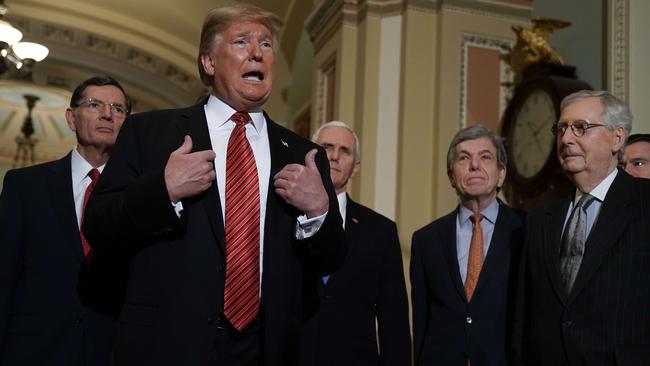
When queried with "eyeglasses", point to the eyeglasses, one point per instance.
{"points": [[578, 127], [96, 106]]}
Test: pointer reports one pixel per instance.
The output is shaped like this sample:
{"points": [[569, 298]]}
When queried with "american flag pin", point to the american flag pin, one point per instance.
{"points": [[285, 143]]}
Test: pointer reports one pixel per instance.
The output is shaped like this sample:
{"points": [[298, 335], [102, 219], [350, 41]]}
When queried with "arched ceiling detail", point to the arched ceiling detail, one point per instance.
{"points": [[149, 45]]}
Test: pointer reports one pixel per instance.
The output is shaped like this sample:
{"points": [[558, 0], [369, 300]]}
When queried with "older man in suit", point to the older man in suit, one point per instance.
{"points": [[463, 265], [228, 218], [366, 299], [42, 320], [585, 289]]}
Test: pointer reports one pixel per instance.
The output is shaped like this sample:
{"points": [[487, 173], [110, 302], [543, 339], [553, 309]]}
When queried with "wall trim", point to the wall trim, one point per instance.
{"points": [[507, 76]]}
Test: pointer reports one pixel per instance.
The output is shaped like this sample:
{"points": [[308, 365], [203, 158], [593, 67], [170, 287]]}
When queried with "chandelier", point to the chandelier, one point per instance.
{"points": [[13, 53]]}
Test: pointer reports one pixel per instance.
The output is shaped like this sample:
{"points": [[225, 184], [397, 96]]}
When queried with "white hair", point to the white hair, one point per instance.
{"points": [[357, 145]]}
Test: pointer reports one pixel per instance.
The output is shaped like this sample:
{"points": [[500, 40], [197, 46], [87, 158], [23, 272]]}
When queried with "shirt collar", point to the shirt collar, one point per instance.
{"points": [[601, 189], [219, 114], [343, 205], [490, 212], [80, 167]]}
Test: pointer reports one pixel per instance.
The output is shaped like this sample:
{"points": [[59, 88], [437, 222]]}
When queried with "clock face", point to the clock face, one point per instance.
{"points": [[532, 140]]}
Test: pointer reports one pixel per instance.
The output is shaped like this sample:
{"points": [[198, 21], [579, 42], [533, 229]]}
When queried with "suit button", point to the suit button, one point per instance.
{"points": [[210, 319], [78, 320], [468, 320], [567, 323]]}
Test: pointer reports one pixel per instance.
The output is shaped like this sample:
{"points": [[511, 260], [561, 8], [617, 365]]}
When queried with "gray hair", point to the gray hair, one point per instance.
{"points": [[474, 133], [357, 145], [615, 112], [219, 19]]}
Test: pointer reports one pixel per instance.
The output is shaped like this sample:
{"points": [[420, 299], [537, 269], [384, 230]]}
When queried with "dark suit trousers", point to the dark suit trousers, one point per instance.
{"points": [[232, 348]]}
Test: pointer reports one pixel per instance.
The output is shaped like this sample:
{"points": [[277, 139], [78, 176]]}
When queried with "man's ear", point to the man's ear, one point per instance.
{"points": [[208, 64], [620, 136], [452, 180], [357, 167], [70, 118], [502, 177]]}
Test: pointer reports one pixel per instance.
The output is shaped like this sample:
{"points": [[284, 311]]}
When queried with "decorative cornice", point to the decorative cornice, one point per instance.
{"points": [[381, 8], [80, 49], [425, 6], [330, 15], [490, 9]]}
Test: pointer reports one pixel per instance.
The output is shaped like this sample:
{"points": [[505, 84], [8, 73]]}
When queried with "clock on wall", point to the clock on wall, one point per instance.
{"points": [[534, 172]]}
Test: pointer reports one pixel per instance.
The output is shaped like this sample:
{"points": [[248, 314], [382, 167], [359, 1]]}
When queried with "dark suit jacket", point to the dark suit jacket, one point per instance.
{"points": [[606, 318], [42, 321], [446, 329], [176, 277], [369, 288]]}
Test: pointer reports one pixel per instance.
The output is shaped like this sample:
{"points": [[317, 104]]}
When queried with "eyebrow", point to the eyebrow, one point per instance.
{"points": [[479, 152]]}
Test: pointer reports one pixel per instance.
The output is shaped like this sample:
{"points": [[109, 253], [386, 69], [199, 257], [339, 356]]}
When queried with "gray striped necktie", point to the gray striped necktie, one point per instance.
{"points": [[573, 242]]}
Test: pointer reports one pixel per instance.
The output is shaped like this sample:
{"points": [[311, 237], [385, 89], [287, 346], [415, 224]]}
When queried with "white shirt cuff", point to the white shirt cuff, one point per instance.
{"points": [[307, 228], [178, 208]]}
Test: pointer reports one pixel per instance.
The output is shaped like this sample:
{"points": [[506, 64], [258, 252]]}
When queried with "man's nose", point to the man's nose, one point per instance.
{"points": [[256, 52], [475, 163], [106, 112]]}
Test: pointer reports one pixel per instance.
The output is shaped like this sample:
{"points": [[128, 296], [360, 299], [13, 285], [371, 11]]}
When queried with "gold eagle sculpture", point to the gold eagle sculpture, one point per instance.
{"points": [[533, 45]]}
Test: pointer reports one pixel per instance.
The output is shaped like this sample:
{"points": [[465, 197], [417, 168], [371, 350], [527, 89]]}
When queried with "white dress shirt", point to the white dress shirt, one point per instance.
{"points": [[599, 192], [220, 127], [80, 181], [343, 205]]}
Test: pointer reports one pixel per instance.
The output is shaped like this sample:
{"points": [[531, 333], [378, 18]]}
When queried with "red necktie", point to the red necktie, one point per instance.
{"points": [[94, 176], [475, 260], [241, 294]]}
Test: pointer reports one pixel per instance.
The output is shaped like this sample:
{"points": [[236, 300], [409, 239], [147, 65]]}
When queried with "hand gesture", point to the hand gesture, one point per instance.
{"points": [[188, 173], [302, 187]]}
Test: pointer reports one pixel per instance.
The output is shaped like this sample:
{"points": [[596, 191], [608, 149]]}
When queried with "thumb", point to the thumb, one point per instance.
{"points": [[310, 162], [186, 147]]}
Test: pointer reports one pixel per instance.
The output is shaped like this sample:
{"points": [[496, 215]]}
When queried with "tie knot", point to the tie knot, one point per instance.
{"points": [[93, 174], [586, 200], [476, 217], [240, 118]]}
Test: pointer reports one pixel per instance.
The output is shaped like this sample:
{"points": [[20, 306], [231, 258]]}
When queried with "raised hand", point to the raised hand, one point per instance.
{"points": [[188, 173], [302, 187]]}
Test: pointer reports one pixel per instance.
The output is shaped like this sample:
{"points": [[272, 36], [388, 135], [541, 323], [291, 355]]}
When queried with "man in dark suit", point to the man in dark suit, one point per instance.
{"points": [[42, 320], [463, 265], [585, 288], [636, 156], [222, 271], [367, 297]]}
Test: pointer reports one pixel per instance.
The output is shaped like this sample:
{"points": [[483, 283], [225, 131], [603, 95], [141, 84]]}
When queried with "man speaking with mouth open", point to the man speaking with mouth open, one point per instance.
{"points": [[227, 218]]}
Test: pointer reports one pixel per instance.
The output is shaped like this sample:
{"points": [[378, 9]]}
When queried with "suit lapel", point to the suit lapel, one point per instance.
{"points": [[280, 156], [63, 202], [612, 220], [194, 124], [447, 236], [352, 220], [499, 244], [352, 233], [552, 231]]}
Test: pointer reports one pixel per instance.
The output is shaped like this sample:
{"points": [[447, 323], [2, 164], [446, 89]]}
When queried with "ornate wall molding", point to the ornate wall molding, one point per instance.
{"points": [[425, 6], [76, 49], [326, 73], [490, 9], [618, 23], [507, 76]]}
